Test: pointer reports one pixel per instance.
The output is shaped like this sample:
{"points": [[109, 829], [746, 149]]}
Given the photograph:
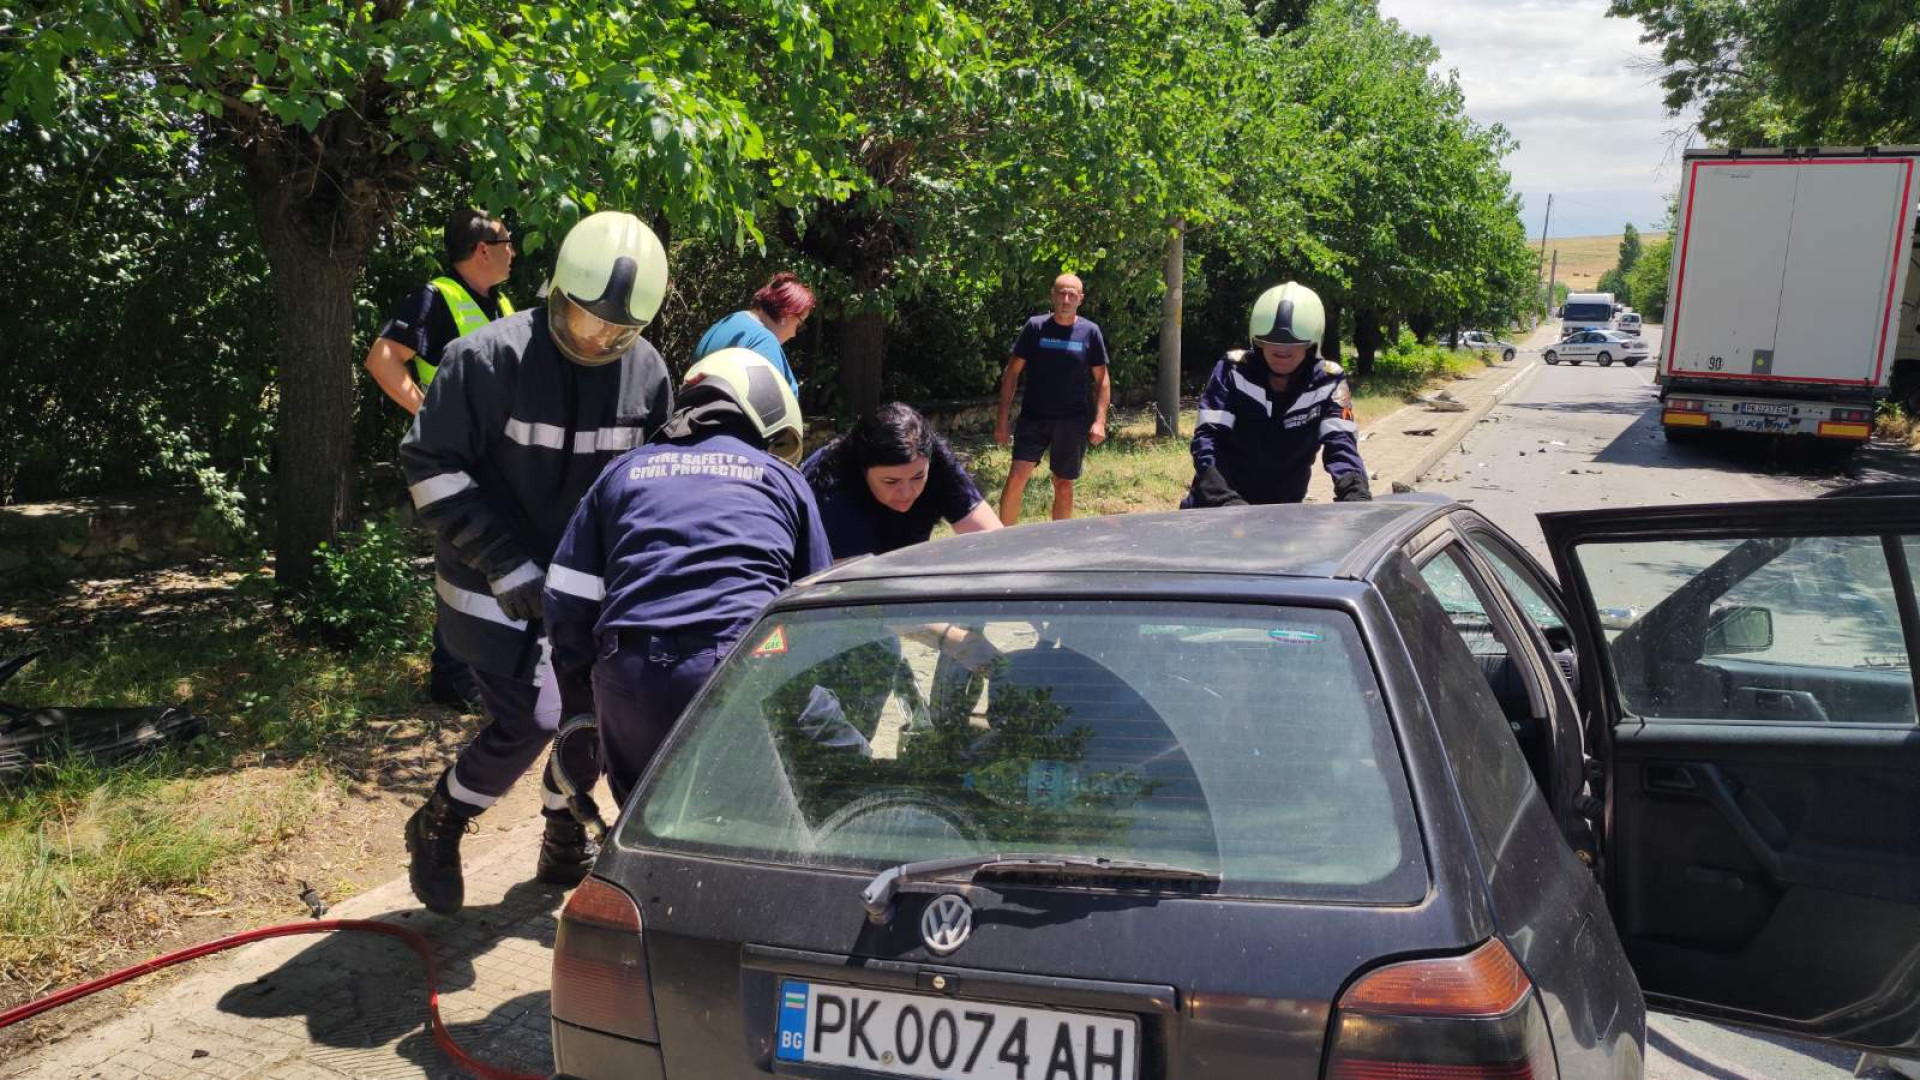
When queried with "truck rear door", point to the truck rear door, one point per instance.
{"points": [[1789, 268]]}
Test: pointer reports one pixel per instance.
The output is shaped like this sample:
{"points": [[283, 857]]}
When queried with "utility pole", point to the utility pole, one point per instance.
{"points": [[1547, 305], [1552, 279], [1167, 397]]}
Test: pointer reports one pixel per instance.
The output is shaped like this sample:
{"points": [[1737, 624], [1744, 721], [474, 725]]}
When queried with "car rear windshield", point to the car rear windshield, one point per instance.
{"points": [[1246, 740]]}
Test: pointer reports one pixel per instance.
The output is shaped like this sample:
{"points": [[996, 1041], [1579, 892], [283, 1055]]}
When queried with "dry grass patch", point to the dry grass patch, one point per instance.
{"points": [[1584, 258]]}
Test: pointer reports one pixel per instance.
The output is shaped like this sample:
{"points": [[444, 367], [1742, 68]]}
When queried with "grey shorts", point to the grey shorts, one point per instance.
{"points": [[1064, 440]]}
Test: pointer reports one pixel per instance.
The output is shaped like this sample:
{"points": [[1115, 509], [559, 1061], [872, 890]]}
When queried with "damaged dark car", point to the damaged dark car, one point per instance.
{"points": [[1340, 791]]}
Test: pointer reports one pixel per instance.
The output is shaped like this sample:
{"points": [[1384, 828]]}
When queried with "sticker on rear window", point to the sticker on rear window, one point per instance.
{"points": [[774, 644], [1294, 637]]}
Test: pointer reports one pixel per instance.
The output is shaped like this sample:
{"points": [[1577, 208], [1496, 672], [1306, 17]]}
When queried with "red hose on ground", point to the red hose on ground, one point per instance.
{"points": [[412, 938]]}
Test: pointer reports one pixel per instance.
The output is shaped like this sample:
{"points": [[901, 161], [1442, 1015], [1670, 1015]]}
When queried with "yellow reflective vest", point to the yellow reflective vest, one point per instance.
{"points": [[467, 317]]}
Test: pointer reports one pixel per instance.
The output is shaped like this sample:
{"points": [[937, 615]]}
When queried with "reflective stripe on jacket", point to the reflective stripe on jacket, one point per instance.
{"points": [[467, 318], [1262, 440], [510, 438]]}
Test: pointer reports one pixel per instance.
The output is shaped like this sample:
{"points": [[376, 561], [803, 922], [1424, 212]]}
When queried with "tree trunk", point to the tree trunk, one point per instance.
{"points": [[1393, 331], [1167, 418], [1422, 323], [862, 348], [312, 268], [1453, 337], [1330, 340], [1366, 339], [863, 345]]}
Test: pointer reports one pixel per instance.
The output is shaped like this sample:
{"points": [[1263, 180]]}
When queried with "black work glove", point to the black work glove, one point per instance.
{"points": [[1352, 487], [522, 601], [1211, 489]]}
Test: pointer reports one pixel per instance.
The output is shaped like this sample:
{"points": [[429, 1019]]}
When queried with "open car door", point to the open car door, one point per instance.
{"points": [[1753, 698]]}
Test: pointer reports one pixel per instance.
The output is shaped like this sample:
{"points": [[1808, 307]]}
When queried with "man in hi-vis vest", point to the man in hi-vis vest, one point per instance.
{"points": [[407, 352]]}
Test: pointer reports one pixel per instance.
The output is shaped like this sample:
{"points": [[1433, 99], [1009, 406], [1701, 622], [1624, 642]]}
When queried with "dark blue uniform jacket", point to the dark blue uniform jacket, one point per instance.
{"points": [[511, 436], [1263, 442], [690, 538]]}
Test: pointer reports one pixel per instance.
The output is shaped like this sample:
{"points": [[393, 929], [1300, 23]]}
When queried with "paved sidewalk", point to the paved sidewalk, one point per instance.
{"points": [[1394, 454], [351, 1005]]}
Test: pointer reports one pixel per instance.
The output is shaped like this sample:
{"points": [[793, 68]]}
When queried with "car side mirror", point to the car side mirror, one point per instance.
{"points": [[1738, 629], [1618, 618]]}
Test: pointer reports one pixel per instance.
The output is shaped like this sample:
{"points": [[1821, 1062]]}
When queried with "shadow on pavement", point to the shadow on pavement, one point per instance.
{"points": [[359, 993], [1657, 1040]]}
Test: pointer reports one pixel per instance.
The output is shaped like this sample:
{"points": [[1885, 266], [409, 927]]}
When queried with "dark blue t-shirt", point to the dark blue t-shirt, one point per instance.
{"points": [[1059, 360], [858, 524], [424, 323]]}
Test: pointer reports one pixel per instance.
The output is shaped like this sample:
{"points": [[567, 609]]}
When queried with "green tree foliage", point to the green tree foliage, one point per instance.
{"points": [[334, 113], [1789, 72], [1648, 280], [1617, 283], [1630, 248], [241, 192]]}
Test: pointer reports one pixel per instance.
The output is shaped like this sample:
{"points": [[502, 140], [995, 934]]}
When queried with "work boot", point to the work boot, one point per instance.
{"points": [[433, 843], [565, 853]]}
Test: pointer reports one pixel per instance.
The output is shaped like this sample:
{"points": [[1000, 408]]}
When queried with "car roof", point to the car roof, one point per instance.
{"points": [[1338, 540]]}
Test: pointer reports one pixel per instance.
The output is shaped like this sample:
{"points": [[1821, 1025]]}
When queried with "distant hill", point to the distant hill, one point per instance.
{"points": [[1584, 258]]}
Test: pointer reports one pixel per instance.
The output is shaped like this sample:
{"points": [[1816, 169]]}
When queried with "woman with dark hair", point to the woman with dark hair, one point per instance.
{"points": [[768, 323], [884, 485]]}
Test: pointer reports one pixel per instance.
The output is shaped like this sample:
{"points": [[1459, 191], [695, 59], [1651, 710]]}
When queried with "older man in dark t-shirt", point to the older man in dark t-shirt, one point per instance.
{"points": [[1061, 353]]}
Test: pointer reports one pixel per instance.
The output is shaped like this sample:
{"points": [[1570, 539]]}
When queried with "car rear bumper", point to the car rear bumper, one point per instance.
{"points": [[583, 1052], [1846, 421]]}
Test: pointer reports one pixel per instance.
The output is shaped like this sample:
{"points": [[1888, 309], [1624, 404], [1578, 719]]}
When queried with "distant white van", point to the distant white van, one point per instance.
{"points": [[1628, 323]]}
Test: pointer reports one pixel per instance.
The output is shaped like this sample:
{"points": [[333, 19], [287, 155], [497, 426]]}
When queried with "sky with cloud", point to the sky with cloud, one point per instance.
{"points": [[1571, 86]]}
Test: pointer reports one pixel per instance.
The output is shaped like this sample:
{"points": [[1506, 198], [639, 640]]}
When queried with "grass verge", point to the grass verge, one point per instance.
{"points": [[1135, 471], [85, 847]]}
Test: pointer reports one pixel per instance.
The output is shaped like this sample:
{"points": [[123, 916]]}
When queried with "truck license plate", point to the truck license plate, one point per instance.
{"points": [[1762, 423], [922, 1035], [1754, 408]]}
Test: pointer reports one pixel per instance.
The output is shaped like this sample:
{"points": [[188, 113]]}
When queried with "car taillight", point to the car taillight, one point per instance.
{"points": [[600, 964], [1471, 1017]]}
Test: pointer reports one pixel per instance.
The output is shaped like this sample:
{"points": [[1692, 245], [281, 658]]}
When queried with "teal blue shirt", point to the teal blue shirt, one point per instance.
{"points": [[741, 330]]}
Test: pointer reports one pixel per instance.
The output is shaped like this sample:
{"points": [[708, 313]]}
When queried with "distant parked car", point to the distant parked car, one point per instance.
{"points": [[1481, 341], [1628, 323], [1601, 346]]}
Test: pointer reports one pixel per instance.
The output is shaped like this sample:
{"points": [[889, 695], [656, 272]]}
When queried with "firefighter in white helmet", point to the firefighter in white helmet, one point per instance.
{"points": [[519, 420], [1268, 409], [675, 551]]}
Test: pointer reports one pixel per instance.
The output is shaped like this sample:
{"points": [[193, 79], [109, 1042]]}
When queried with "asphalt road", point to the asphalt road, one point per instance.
{"points": [[1573, 438]]}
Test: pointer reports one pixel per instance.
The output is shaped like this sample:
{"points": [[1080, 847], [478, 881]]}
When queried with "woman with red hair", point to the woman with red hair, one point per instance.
{"points": [[768, 323]]}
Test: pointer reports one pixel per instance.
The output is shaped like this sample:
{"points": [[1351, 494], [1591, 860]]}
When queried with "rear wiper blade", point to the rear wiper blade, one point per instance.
{"points": [[879, 893]]}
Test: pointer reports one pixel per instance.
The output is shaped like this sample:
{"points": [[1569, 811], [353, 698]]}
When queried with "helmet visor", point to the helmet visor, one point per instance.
{"points": [[586, 338]]}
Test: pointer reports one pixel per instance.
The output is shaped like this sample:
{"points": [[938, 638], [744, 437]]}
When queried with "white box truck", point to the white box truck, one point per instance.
{"points": [[1586, 311], [1785, 305]]}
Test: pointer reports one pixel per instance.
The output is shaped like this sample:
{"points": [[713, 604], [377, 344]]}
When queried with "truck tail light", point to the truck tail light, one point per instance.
{"points": [[1471, 1017], [600, 964], [1681, 404], [1851, 416]]}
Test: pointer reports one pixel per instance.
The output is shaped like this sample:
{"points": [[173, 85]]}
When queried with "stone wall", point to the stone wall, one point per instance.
{"points": [[98, 536]]}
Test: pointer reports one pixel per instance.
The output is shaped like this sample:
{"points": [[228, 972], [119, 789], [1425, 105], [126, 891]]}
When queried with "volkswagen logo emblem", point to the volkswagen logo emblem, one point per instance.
{"points": [[945, 924]]}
